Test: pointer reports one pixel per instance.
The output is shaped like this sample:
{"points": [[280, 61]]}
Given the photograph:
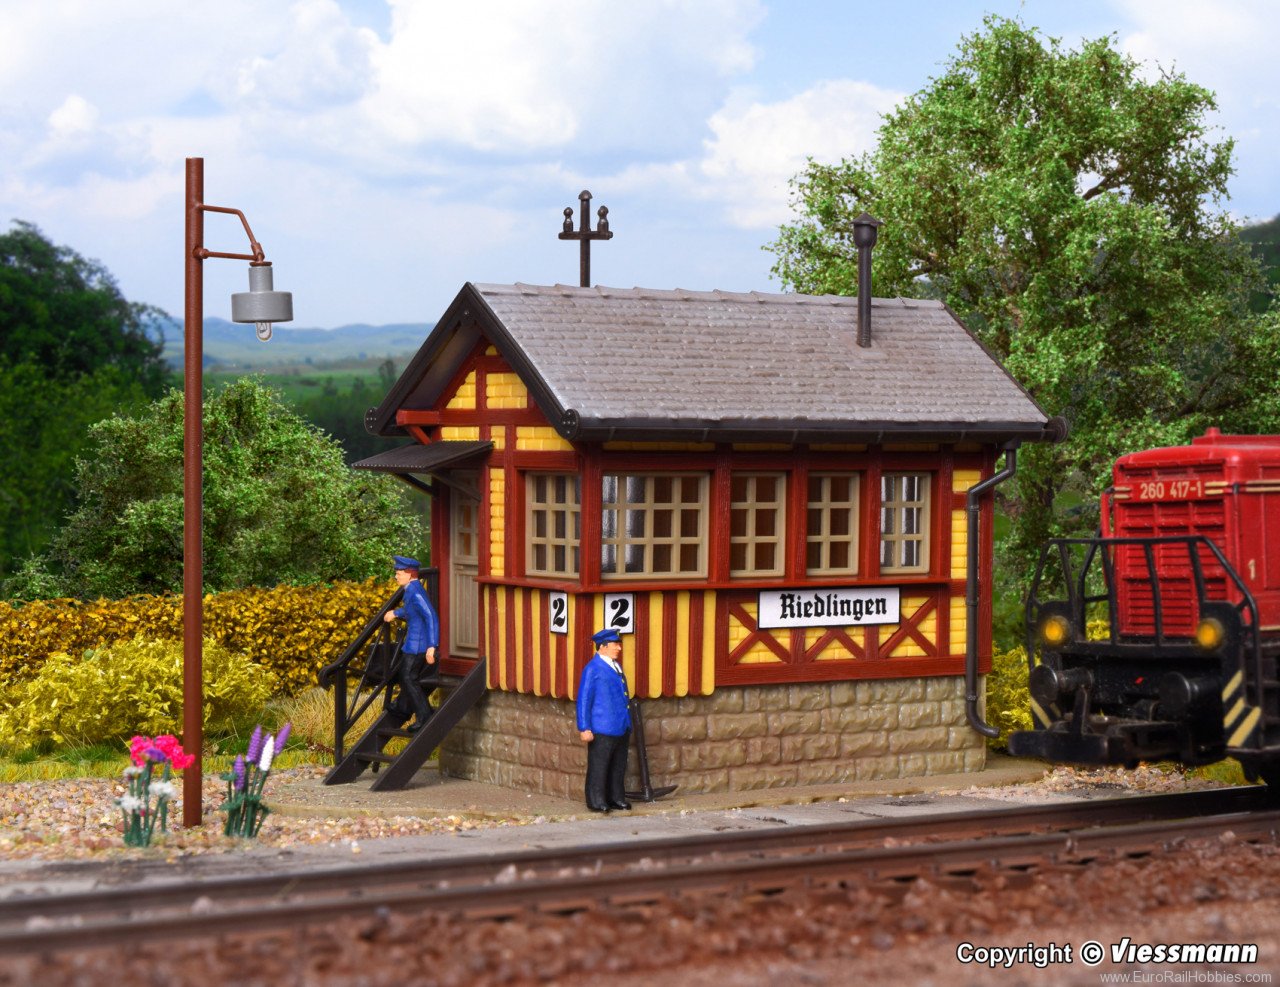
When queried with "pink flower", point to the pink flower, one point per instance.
{"points": [[142, 749], [168, 743]]}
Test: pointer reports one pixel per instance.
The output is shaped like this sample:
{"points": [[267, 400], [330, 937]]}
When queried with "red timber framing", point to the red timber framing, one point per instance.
{"points": [[667, 655]]}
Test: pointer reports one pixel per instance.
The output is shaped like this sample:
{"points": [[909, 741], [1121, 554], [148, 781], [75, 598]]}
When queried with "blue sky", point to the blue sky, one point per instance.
{"points": [[386, 151]]}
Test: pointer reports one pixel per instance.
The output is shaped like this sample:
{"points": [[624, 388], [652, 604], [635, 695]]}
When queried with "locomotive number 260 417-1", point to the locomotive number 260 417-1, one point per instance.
{"points": [[1170, 490]]}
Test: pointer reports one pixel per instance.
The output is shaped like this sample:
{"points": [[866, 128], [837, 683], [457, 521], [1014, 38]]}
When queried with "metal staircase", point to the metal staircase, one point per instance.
{"points": [[361, 679]]}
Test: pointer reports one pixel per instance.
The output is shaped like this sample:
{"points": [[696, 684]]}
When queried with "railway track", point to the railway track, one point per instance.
{"points": [[891, 854]]}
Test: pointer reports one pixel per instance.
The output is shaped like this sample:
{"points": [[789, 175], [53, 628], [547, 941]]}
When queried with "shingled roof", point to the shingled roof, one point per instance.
{"points": [[604, 363]]}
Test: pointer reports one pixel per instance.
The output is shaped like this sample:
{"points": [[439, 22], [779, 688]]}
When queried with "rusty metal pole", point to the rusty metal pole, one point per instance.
{"points": [[584, 244], [193, 502]]}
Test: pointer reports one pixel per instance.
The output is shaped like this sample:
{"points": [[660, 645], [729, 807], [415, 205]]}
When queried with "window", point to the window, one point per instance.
{"points": [[756, 524], [653, 525], [553, 526], [904, 522], [832, 527]]}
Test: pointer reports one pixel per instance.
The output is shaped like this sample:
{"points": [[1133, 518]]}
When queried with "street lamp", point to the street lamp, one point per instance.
{"points": [[260, 305]]}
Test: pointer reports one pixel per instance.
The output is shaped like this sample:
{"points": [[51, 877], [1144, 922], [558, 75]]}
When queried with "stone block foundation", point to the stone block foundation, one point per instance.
{"points": [[736, 739]]}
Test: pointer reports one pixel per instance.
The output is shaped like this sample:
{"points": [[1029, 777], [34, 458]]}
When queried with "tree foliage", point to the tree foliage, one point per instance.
{"points": [[66, 314], [72, 351], [1069, 209], [280, 506]]}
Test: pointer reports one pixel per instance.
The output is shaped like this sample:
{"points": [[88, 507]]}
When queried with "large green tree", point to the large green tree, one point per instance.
{"points": [[72, 350], [66, 314], [1068, 206], [280, 506]]}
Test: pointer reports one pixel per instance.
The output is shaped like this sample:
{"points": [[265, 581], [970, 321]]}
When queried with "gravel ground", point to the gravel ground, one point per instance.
{"points": [[77, 818]]}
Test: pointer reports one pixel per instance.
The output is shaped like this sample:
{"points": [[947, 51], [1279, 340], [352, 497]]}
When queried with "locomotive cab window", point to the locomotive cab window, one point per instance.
{"points": [[904, 522], [653, 524]]}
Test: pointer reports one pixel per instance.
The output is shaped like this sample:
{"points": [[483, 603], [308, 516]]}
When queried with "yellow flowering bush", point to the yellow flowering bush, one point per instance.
{"points": [[290, 630], [134, 687], [1008, 696]]}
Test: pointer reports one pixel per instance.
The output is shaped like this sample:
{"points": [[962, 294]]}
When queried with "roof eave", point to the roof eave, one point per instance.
{"points": [[800, 431]]}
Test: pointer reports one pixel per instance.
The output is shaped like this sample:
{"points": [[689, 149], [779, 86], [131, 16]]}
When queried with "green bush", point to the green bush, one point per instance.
{"points": [[118, 690]]}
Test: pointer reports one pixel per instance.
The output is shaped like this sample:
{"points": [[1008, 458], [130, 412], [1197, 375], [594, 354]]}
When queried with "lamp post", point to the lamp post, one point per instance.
{"points": [[262, 306]]}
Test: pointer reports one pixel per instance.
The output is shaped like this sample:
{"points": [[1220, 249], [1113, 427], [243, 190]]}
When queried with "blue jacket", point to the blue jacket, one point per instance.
{"points": [[602, 700], [424, 628]]}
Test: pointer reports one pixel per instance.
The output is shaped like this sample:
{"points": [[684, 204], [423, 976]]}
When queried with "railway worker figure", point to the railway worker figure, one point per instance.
{"points": [[420, 641], [604, 723]]}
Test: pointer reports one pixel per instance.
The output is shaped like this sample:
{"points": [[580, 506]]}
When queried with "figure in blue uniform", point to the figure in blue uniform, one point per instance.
{"points": [[420, 641], [604, 723]]}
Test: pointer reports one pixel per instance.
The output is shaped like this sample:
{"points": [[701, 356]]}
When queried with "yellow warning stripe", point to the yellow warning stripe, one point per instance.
{"points": [[1246, 728], [1039, 714], [1232, 685], [1233, 714]]}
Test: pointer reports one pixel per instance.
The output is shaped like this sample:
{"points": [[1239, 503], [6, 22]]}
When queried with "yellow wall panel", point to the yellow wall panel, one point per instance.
{"points": [[959, 544], [958, 625], [656, 657], [461, 433], [465, 396], [497, 522], [708, 643], [505, 391], [682, 643], [962, 480], [540, 438], [498, 436]]}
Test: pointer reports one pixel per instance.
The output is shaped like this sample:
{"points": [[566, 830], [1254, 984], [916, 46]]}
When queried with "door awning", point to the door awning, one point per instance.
{"points": [[435, 460], [418, 458]]}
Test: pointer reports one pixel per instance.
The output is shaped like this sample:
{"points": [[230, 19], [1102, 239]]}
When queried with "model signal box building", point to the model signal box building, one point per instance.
{"points": [[771, 513]]}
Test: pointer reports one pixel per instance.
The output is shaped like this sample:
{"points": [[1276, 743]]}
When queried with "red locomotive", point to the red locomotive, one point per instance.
{"points": [[1158, 640]]}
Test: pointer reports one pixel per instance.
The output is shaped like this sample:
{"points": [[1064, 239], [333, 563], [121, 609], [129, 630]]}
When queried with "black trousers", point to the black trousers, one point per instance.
{"points": [[607, 769], [411, 698]]}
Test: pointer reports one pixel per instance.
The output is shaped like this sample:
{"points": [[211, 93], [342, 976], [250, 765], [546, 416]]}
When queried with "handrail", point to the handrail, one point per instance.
{"points": [[326, 675], [1095, 547]]}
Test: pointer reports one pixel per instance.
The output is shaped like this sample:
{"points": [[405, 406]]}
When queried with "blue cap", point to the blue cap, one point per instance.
{"points": [[404, 562], [605, 636]]}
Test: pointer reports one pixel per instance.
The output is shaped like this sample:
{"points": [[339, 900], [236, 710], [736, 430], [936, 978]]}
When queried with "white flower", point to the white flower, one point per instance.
{"points": [[132, 771], [268, 753], [129, 803], [164, 790]]}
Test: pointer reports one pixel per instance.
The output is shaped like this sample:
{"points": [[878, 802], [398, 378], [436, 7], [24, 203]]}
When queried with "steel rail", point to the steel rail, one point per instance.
{"points": [[947, 845]]}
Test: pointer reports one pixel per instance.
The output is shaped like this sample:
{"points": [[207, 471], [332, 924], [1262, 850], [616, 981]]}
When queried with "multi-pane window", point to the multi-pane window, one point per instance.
{"points": [[832, 527], [653, 524], [553, 524], [904, 522], [756, 524]]}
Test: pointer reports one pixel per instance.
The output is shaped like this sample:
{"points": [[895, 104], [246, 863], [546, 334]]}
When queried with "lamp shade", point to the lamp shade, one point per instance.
{"points": [[261, 303]]}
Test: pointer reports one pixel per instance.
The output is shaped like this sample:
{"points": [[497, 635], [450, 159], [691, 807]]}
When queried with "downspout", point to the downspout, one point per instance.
{"points": [[971, 592]]}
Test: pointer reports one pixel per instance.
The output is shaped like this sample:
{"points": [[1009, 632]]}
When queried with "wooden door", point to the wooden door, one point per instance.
{"points": [[464, 565]]}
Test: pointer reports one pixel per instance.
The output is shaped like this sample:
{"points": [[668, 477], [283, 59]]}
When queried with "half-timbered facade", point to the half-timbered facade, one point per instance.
{"points": [[758, 502]]}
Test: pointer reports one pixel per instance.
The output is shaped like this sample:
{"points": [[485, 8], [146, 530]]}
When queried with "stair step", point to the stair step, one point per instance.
{"points": [[394, 732], [380, 758]]}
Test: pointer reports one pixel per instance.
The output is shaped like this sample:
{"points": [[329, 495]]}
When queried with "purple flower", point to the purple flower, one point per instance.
{"points": [[156, 754], [255, 745], [237, 769], [283, 736]]}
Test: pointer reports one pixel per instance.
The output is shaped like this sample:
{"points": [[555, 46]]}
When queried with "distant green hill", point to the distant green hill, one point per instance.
{"points": [[1264, 239], [235, 347]]}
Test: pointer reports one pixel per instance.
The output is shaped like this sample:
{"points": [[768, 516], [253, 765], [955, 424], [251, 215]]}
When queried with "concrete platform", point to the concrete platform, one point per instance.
{"points": [[430, 795]]}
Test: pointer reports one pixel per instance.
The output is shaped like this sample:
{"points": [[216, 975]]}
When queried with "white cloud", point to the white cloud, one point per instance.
{"points": [[75, 116], [757, 147]]}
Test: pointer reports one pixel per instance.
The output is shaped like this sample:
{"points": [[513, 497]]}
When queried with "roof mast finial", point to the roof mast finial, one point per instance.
{"points": [[584, 234]]}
